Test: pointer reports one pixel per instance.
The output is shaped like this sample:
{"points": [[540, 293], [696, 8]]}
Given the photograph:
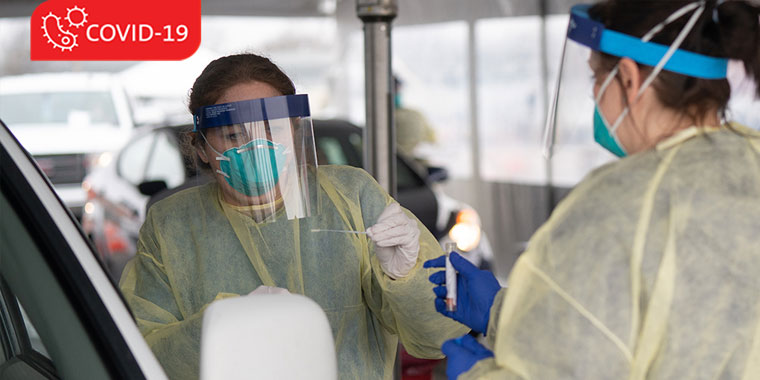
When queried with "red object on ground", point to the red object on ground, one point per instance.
{"points": [[415, 368]]}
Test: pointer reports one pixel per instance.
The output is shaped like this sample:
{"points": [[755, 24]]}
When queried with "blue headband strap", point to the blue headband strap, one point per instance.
{"points": [[278, 107], [592, 33]]}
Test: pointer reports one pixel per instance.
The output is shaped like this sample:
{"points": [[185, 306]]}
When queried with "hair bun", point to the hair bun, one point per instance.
{"points": [[739, 28], [739, 34]]}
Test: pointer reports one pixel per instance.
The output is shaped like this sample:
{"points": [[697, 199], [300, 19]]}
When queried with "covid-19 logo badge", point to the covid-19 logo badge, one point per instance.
{"points": [[59, 34], [105, 30]]}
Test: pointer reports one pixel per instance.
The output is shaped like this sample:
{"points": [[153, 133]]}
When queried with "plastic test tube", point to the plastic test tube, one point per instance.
{"points": [[451, 279]]}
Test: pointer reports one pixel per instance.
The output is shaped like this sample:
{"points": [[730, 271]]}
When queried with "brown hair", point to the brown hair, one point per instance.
{"points": [[727, 29], [220, 75]]}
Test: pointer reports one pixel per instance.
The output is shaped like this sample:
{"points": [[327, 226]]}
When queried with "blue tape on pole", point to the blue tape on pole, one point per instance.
{"points": [[278, 107], [585, 31]]}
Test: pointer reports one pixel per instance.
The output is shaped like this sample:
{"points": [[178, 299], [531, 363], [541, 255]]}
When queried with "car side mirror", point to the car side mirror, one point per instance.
{"points": [[267, 336], [151, 187], [437, 174]]}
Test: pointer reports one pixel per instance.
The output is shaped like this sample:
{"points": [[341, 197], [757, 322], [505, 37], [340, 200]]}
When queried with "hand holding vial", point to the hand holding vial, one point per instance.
{"points": [[474, 291]]}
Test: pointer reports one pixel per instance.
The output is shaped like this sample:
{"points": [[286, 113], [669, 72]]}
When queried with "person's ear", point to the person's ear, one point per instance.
{"points": [[202, 154], [630, 76]]}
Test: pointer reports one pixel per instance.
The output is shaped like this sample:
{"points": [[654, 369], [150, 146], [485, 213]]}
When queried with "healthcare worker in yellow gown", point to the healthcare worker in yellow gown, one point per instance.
{"points": [[649, 268], [257, 229]]}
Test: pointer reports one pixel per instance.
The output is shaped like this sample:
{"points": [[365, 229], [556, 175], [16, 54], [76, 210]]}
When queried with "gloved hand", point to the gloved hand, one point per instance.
{"points": [[476, 290], [263, 289], [397, 241], [462, 353]]}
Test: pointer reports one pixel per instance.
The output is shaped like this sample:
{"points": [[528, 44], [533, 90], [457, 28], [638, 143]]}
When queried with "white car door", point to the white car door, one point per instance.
{"points": [[61, 316]]}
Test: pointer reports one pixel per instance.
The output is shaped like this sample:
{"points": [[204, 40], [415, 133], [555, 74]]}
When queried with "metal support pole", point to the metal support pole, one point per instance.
{"points": [[379, 132], [542, 9], [472, 91]]}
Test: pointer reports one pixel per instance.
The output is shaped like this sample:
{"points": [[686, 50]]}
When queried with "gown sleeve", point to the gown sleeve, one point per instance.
{"points": [[404, 306]]}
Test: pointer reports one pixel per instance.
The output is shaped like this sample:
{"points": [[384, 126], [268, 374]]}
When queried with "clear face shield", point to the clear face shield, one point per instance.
{"points": [[576, 106], [262, 154]]}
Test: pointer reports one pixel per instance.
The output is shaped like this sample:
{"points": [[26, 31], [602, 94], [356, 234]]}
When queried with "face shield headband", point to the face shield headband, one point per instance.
{"points": [[590, 33], [277, 107]]}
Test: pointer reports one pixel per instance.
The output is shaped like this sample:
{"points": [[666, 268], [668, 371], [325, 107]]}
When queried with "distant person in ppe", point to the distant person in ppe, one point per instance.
{"points": [[412, 127], [649, 268], [267, 225]]}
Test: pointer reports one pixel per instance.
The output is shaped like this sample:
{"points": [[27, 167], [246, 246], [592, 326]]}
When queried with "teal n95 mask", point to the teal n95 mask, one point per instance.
{"points": [[254, 168]]}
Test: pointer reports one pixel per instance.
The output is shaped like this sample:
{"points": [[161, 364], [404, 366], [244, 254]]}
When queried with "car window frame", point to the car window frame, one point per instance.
{"points": [[151, 166], [174, 136], [334, 129], [73, 262], [151, 135], [16, 341], [329, 129]]}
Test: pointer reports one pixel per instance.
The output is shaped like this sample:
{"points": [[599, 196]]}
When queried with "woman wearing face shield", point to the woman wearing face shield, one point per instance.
{"points": [[649, 267], [266, 225]]}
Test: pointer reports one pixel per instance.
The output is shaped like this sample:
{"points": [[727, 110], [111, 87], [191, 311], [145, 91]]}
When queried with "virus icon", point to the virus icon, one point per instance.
{"points": [[52, 30], [78, 14]]}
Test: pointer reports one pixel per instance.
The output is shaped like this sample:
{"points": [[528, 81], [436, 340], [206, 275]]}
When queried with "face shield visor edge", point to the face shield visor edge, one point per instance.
{"points": [[586, 35]]}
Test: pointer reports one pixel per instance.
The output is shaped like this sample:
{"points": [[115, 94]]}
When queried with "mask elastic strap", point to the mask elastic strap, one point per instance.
{"points": [[604, 86], [219, 156], [675, 16], [606, 83], [673, 47], [676, 44]]}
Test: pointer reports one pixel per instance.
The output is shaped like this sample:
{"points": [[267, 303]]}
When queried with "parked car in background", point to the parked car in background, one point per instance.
{"points": [[151, 164], [69, 122], [61, 317]]}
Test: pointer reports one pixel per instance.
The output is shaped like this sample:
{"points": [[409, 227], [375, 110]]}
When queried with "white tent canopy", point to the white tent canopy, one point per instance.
{"points": [[165, 79], [410, 11]]}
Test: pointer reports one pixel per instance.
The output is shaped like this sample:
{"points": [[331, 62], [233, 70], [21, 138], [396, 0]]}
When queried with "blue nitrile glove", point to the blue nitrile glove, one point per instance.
{"points": [[462, 353], [476, 290]]}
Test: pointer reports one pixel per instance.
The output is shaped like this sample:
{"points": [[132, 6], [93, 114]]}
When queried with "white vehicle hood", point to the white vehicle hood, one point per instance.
{"points": [[63, 139]]}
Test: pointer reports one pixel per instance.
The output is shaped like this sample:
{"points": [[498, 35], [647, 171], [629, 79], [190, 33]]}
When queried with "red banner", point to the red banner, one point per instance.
{"points": [[102, 30]]}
